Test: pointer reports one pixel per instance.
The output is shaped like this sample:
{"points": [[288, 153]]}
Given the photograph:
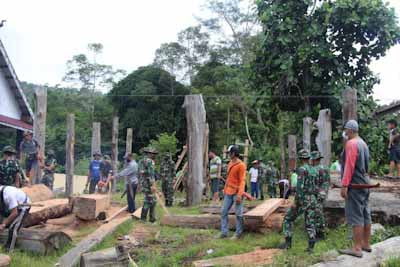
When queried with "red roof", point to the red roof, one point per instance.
{"points": [[14, 123]]}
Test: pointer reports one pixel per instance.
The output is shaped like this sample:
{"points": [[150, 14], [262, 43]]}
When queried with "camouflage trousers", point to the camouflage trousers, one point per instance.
{"points": [[272, 189], [167, 187], [320, 222], [48, 180], [308, 207], [261, 188], [149, 201]]}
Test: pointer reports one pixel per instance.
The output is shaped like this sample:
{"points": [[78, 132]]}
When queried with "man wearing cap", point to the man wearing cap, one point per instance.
{"points": [[130, 172], [253, 172], [233, 193], [94, 173], [29, 148], [10, 171], [147, 180], [305, 202], [167, 173], [322, 184], [272, 175], [215, 174], [355, 172], [49, 166]]}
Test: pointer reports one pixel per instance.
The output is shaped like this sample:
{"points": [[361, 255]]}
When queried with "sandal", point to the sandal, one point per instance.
{"points": [[350, 252], [369, 250]]}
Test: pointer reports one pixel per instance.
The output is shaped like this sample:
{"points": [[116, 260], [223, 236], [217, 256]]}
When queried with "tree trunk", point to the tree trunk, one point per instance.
{"points": [[129, 140], [196, 123], [114, 150], [307, 130], [246, 152], [206, 159], [102, 258], [38, 192], [39, 241], [324, 137], [69, 159], [349, 108], [52, 209], [96, 138], [39, 126], [283, 155], [292, 147]]}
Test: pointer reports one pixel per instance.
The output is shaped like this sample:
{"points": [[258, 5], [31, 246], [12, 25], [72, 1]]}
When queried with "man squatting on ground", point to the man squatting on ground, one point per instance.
{"points": [[233, 193], [13, 208]]}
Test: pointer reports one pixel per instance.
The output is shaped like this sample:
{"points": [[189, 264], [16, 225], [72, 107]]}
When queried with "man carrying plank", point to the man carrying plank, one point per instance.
{"points": [[14, 207]]}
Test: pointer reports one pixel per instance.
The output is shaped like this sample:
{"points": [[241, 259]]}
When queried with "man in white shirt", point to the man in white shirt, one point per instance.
{"points": [[254, 178], [215, 174], [14, 207]]}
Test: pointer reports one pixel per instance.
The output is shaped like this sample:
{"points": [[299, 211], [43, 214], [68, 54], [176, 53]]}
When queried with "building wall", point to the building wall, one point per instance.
{"points": [[8, 104]]}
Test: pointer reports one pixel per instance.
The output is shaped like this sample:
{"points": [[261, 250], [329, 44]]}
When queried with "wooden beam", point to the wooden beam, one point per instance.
{"points": [[51, 209], [307, 130], [39, 128], [88, 207], [129, 140], [69, 158], [96, 138], [178, 180], [324, 137], [292, 149], [264, 210], [181, 157], [217, 209], [114, 150], [349, 108], [38, 192]]}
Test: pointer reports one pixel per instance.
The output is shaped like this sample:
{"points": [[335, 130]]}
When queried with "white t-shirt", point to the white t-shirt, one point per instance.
{"points": [[253, 175], [214, 164], [13, 197]]}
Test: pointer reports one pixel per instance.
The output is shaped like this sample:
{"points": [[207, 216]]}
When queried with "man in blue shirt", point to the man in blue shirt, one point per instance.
{"points": [[94, 173]]}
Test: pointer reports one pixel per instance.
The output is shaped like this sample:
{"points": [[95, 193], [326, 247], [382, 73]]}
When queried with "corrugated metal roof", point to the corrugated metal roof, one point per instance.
{"points": [[17, 124]]}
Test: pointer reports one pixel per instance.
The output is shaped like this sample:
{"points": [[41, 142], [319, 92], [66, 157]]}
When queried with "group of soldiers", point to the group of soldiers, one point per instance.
{"points": [[267, 175]]}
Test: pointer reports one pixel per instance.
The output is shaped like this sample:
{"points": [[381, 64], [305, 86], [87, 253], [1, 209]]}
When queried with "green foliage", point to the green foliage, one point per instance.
{"points": [[82, 166], [165, 143]]}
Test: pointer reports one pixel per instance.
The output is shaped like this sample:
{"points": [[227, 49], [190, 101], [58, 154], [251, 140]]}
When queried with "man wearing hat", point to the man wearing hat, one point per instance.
{"points": [[253, 172], [94, 173], [49, 166], [29, 148], [322, 184], [147, 180], [10, 171], [272, 176], [130, 172], [167, 173], [355, 172], [305, 202]]}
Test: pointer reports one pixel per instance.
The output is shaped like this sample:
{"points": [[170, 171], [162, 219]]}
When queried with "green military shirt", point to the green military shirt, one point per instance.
{"points": [[146, 174], [167, 169], [8, 171], [306, 182], [48, 162], [322, 180]]}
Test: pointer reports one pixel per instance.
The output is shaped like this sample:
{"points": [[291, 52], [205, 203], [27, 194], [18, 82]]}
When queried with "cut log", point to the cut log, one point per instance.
{"points": [[69, 155], [255, 258], [381, 252], [137, 213], [102, 258], [88, 207], [39, 128], [39, 241], [5, 260], [265, 209], [307, 129], [38, 192], [324, 136], [116, 214], [217, 209], [51, 209], [72, 257], [292, 149]]}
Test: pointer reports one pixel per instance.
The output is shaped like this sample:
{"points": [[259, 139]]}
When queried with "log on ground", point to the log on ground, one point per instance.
{"points": [[103, 258], [381, 252], [88, 207], [5, 260], [217, 209], [38, 192], [39, 241], [265, 209], [52, 209], [255, 258]]}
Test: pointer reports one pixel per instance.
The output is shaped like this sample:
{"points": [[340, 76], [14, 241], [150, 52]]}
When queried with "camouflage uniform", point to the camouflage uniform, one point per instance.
{"points": [[167, 172], [9, 169], [305, 202], [262, 179], [271, 178], [48, 175], [147, 179]]}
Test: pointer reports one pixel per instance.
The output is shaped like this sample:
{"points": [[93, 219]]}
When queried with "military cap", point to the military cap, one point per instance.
{"points": [[304, 154], [150, 150], [316, 155], [9, 149]]}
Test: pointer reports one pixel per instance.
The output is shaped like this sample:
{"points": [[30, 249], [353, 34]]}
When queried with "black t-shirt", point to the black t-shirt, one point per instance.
{"points": [[395, 141], [105, 168]]}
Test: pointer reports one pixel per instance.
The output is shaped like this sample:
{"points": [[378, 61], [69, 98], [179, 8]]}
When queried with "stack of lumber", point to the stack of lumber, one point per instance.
{"points": [[260, 214], [48, 209], [88, 207]]}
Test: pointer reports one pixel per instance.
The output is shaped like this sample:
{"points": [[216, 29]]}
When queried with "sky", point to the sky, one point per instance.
{"points": [[41, 35]]}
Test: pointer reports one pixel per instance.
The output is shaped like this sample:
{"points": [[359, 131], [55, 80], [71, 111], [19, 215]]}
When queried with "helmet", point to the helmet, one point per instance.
{"points": [[150, 150], [304, 154], [234, 149], [50, 152], [316, 155], [9, 149]]}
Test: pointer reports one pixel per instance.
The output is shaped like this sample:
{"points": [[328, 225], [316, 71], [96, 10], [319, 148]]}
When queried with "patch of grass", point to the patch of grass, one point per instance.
{"points": [[395, 262]]}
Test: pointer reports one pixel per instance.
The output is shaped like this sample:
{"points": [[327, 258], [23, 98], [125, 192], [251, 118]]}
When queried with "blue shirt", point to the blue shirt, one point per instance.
{"points": [[95, 170]]}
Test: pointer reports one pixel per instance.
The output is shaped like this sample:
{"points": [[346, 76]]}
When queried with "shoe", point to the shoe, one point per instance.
{"points": [[369, 250], [287, 244], [311, 244], [143, 215], [221, 236], [320, 236], [351, 252]]}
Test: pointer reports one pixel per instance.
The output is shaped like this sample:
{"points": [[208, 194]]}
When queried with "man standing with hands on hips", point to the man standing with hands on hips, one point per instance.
{"points": [[233, 193]]}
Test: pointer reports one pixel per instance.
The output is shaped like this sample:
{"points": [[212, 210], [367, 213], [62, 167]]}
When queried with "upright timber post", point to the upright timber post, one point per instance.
{"points": [[114, 149], [69, 157], [39, 128], [224, 153], [349, 108], [206, 159], [246, 152], [324, 137], [96, 138], [196, 125], [307, 129], [129, 138], [292, 142]]}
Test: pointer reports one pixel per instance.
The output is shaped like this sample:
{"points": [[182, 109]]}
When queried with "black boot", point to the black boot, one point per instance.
{"points": [[143, 216], [287, 244], [311, 244], [320, 236], [152, 214]]}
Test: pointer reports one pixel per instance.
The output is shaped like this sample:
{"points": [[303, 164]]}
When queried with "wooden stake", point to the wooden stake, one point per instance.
{"points": [[114, 150], [349, 108], [324, 137], [39, 126], [69, 158], [307, 130], [96, 138], [129, 140], [181, 157], [206, 159], [292, 143], [224, 154], [246, 151]]}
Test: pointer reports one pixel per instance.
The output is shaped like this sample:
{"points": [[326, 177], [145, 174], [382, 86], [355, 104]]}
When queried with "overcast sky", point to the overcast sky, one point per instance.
{"points": [[40, 36]]}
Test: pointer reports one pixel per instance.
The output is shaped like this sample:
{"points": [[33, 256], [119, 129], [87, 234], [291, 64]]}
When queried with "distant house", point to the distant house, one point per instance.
{"points": [[15, 113]]}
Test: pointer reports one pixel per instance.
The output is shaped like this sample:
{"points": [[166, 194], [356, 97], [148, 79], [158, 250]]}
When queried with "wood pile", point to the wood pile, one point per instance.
{"points": [[48, 209]]}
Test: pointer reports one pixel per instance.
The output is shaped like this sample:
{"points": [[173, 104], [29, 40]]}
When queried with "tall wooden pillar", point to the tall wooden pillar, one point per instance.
{"points": [[307, 130], [324, 137], [39, 128], [69, 155], [114, 149], [96, 138], [349, 108], [129, 140], [246, 152], [292, 147]]}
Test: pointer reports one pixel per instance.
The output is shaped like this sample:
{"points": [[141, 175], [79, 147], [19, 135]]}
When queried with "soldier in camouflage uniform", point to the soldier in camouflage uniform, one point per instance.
{"points": [[147, 180], [262, 178], [322, 184], [167, 173], [49, 167], [10, 170], [305, 202], [271, 178]]}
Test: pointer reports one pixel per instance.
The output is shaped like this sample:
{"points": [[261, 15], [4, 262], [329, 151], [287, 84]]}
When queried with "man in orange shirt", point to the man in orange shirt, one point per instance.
{"points": [[233, 191]]}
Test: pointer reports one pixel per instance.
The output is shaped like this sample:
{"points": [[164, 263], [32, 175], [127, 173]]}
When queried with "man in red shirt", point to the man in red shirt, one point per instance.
{"points": [[233, 193]]}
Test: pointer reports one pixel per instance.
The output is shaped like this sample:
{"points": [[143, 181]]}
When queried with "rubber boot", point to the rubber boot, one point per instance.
{"points": [[152, 214], [287, 244], [311, 244], [143, 216], [320, 236]]}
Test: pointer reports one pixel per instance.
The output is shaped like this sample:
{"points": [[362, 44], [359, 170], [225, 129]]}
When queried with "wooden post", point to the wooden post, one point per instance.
{"points": [[307, 130], [246, 152], [282, 147], [206, 159], [292, 142], [324, 137], [196, 124], [114, 149], [69, 158], [39, 128], [129, 138], [349, 108], [224, 154], [96, 138]]}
